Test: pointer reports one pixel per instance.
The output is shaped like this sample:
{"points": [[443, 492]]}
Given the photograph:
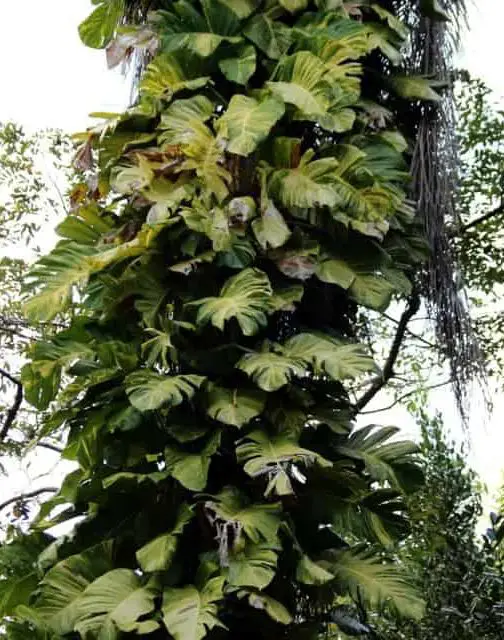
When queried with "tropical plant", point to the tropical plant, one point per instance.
{"points": [[253, 196]]}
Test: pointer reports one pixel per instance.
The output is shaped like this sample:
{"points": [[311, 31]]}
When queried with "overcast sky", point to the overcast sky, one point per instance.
{"points": [[49, 79]]}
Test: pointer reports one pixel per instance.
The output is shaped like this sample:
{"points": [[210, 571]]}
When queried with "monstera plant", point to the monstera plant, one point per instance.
{"points": [[227, 229]]}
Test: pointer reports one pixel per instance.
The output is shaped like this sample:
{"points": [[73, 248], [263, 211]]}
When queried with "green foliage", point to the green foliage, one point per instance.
{"points": [[245, 203], [481, 136], [459, 571]]}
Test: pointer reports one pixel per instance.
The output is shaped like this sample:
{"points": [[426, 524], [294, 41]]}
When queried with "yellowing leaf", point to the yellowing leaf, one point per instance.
{"points": [[247, 122]]}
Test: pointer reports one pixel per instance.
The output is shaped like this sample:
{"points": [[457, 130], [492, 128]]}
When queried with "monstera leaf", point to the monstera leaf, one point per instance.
{"points": [[189, 613], [364, 575], [244, 297], [56, 275], [272, 457], [253, 566], [247, 122], [170, 73], [184, 28], [236, 407], [386, 460], [148, 390], [191, 468], [98, 29], [157, 554], [113, 603], [308, 185], [300, 81], [329, 356], [63, 586], [270, 370], [259, 522]]}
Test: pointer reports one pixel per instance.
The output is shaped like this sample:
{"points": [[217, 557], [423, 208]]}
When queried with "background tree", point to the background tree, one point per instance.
{"points": [[34, 172], [458, 568]]}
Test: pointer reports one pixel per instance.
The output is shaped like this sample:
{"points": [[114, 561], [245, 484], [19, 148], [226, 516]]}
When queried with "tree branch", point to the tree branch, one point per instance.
{"points": [[26, 496], [12, 412], [486, 216], [48, 445], [407, 395], [380, 381]]}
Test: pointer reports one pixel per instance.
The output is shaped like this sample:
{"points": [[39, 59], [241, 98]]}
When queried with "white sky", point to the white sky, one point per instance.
{"points": [[49, 79]]}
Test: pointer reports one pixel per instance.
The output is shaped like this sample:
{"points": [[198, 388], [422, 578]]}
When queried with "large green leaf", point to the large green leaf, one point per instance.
{"points": [[191, 468], [183, 123], [157, 554], [253, 566], [170, 73], [244, 297], [365, 576], [98, 29], [62, 587], [236, 407], [329, 356], [247, 122], [117, 601], [270, 36], [189, 613], [373, 290], [239, 66], [148, 390], [308, 185], [184, 28], [270, 370], [271, 457], [259, 522]]}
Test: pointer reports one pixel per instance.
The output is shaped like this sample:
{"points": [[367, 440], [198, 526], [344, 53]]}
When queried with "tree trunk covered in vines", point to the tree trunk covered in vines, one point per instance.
{"points": [[227, 230]]}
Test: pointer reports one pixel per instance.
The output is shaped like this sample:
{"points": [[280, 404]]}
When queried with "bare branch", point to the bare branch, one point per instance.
{"points": [[486, 216], [12, 412], [407, 395], [23, 497], [380, 381], [48, 445]]}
